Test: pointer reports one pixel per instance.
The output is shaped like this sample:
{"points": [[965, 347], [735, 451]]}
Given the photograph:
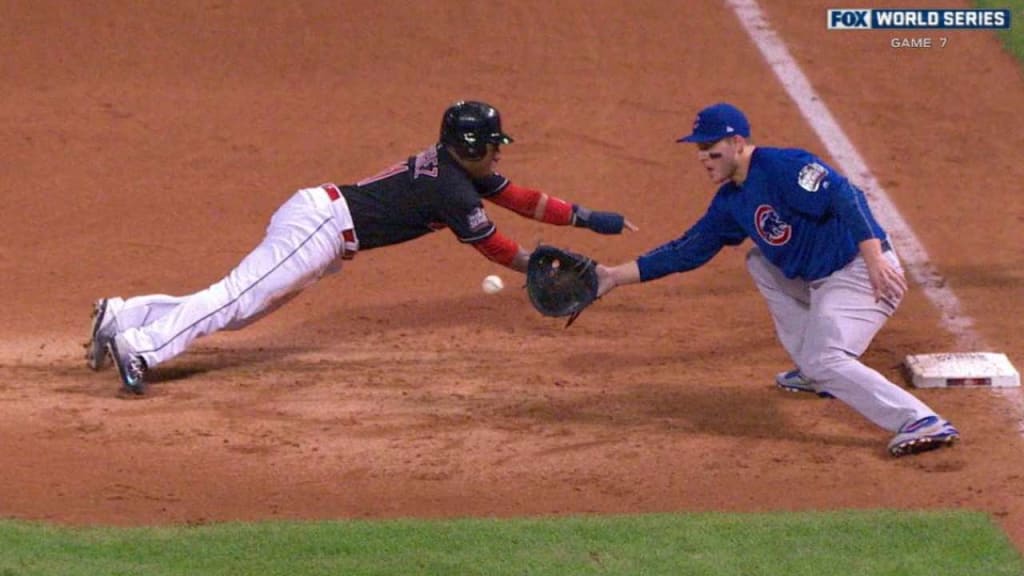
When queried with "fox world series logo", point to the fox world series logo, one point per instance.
{"points": [[895, 19]]}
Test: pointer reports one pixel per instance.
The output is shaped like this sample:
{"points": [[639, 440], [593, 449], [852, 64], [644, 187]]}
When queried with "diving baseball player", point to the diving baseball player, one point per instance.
{"points": [[319, 228], [825, 267]]}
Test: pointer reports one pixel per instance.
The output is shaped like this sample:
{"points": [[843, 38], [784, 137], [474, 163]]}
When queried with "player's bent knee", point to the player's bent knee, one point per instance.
{"points": [[823, 366]]}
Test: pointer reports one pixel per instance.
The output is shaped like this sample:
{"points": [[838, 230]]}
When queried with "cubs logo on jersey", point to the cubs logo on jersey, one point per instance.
{"points": [[770, 227]]}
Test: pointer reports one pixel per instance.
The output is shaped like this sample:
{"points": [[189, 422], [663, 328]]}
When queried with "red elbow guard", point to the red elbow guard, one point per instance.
{"points": [[535, 204], [498, 248], [557, 211]]}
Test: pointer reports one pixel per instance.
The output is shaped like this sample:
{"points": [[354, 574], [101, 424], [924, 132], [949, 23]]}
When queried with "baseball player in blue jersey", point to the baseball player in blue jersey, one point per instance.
{"points": [[825, 267]]}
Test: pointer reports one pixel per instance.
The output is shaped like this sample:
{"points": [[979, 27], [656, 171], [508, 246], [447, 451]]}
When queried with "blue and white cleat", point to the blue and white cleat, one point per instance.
{"points": [[922, 435], [795, 381], [130, 366]]}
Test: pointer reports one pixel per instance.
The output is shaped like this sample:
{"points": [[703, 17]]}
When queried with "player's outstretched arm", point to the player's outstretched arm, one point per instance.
{"points": [[503, 250], [520, 262], [609, 277], [551, 210]]}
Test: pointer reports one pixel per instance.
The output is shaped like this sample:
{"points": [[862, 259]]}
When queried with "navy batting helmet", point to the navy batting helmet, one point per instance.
{"points": [[470, 126]]}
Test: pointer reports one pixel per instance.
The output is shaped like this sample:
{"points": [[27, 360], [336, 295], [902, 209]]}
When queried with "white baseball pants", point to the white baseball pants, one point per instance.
{"points": [[308, 237]]}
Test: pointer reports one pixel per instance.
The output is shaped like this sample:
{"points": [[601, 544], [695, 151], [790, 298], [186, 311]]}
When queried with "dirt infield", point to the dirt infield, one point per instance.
{"points": [[144, 150]]}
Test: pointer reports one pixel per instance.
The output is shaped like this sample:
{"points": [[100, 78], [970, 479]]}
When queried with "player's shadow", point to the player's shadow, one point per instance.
{"points": [[749, 409], [740, 411], [685, 409]]}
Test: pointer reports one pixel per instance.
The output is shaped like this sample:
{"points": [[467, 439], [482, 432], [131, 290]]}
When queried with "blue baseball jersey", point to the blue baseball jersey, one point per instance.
{"points": [[806, 218]]}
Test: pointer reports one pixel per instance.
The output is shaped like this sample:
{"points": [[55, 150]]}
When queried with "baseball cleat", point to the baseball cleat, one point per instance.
{"points": [[103, 312], [130, 366], [922, 435], [795, 381]]}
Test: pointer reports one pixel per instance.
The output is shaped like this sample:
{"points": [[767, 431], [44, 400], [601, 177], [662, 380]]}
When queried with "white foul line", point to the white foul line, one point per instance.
{"points": [[915, 258]]}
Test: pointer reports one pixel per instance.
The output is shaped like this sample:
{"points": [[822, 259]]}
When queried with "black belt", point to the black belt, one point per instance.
{"points": [[349, 243]]}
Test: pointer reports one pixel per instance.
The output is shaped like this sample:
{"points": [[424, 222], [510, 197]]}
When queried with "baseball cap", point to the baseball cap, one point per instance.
{"points": [[716, 122]]}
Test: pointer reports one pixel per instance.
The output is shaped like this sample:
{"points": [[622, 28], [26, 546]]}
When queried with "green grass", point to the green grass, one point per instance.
{"points": [[835, 543], [1013, 38]]}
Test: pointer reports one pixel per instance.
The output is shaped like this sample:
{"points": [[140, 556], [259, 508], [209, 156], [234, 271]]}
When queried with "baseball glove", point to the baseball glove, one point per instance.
{"points": [[560, 282]]}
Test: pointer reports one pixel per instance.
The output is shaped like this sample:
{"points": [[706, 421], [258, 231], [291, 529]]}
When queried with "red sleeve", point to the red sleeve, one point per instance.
{"points": [[498, 248], [534, 204]]}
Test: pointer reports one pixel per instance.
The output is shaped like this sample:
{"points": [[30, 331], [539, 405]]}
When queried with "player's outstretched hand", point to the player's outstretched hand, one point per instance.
{"points": [[609, 277], [605, 280]]}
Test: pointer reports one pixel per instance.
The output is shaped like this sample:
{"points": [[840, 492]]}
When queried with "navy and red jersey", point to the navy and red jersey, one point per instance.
{"points": [[426, 192], [806, 218]]}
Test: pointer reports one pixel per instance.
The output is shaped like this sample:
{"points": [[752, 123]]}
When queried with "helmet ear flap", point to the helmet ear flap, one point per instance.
{"points": [[458, 130], [470, 146]]}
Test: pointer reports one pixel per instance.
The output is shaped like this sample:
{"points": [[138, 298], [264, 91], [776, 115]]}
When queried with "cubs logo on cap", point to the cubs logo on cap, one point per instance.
{"points": [[716, 122]]}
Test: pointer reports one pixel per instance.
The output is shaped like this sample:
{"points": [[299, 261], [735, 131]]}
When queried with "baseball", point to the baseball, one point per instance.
{"points": [[492, 284]]}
